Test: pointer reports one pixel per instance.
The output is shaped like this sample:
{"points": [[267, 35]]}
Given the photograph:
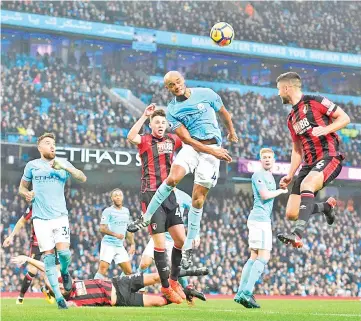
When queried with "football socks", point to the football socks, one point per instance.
{"points": [[194, 225]]}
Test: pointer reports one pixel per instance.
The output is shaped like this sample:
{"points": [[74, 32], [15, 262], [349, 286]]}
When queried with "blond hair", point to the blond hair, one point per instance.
{"points": [[45, 135], [266, 150]]}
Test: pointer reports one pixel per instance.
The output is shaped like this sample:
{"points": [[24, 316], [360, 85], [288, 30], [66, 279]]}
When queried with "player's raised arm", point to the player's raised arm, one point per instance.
{"points": [[133, 135], [227, 119], [186, 138], [74, 172]]}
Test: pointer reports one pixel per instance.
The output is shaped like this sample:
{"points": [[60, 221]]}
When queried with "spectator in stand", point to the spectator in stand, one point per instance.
{"points": [[71, 102]]}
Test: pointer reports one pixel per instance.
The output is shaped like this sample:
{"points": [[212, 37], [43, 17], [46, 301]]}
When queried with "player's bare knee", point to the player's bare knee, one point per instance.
{"points": [[179, 244], [198, 201], [143, 265], [172, 181], [32, 269], [291, 215]]}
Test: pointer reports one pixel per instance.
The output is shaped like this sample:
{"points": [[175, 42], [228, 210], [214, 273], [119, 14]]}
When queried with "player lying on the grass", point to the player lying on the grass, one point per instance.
{"points": [[156, 151], [35, 253], [313, 122], [192, 116], [184, 201], [259, 227], [120, 291], [113, 225], [48, 176]]}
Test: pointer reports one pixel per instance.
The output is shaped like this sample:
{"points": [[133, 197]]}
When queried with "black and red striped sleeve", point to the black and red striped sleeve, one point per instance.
{"points": [[143, 141], [324, 106]]}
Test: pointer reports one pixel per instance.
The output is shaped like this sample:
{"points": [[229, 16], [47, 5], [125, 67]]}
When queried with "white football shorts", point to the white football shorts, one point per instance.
{"points": [[260, 235], [204, 166], [108, 253], [51, 232]]}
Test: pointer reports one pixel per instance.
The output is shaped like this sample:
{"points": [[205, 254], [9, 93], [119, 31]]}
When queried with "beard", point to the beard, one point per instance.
{"points": [[285, 100], [49, 155]]}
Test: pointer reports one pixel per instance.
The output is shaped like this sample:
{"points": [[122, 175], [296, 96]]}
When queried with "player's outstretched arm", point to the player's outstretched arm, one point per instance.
{"points": [[186, 138], [133, 135], [22, 259], [227, 119], [19, 224], [74, 172], [266, 194]]}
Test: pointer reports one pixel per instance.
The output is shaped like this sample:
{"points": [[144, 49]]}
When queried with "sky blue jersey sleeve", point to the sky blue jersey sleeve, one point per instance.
{"points": [[173, 122], [259, 182], [28, 175], [68, 165], [105, 217], [215, 101]]}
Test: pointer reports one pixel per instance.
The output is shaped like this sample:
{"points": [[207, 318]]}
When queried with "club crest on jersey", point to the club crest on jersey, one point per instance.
{"points": [[201, 106], [301, 126], [165, 147], [154, 226], [306, 108]]}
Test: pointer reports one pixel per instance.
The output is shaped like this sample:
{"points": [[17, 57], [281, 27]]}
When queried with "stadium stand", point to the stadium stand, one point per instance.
{"points": [[305, 25], [42, 93]]}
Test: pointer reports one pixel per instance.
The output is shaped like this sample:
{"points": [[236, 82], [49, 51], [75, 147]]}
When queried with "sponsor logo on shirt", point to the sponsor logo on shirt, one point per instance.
{"points": [[301, 126], [165, 147]]}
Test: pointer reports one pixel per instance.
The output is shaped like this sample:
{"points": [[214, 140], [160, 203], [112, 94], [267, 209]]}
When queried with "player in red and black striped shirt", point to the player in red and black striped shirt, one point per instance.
{"points": [[156, 151], [313, 122], [120, 291], [34, 252]]}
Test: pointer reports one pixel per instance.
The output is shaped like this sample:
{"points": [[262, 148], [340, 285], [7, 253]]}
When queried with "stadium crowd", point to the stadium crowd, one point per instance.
{"points": [[332, 26], [334, 252], [42, 92]]}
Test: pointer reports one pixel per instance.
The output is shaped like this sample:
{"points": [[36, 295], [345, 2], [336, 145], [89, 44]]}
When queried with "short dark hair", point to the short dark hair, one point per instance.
{"points": [[158, 112], [292, 77], [45, 135]]}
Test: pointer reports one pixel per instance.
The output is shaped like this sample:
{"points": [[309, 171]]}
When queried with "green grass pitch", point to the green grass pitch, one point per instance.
{"points": [[289, 310]]}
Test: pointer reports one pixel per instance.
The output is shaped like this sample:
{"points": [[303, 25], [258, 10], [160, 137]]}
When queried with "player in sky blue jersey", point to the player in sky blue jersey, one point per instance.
{"points": [[48, 176], [260, 229], [192, 116], [113, 225]]}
